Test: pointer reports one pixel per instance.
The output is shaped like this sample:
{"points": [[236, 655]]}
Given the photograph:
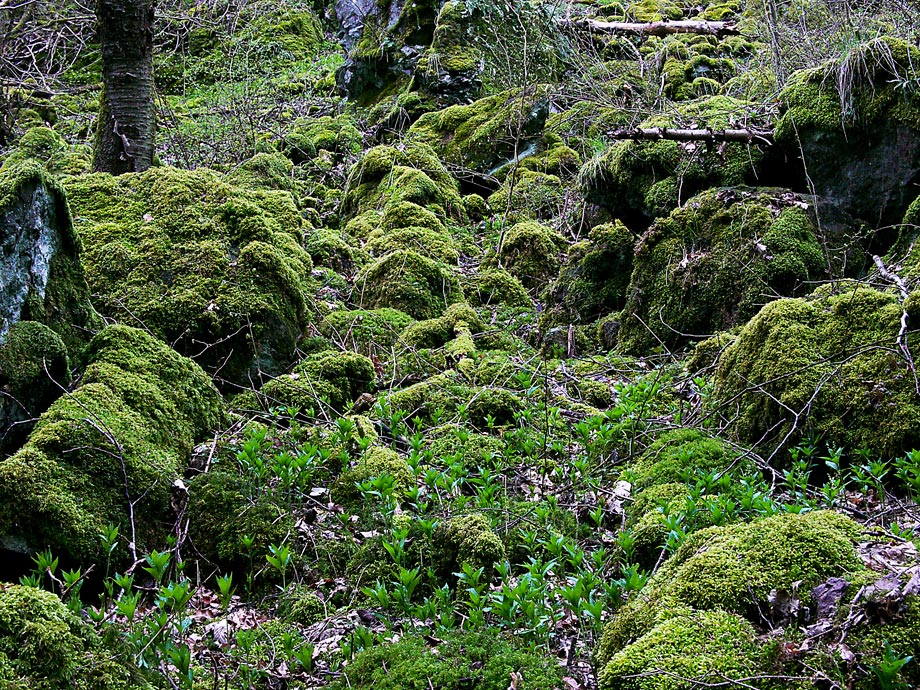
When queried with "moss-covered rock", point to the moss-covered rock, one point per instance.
{"points": [[714, 262], [681, 453], [832, 360], [366, 330], [467, 539], [48, 148], [531, 252], [855, 125], [639, 181], [496, 286], [488, 133], [531, 195], [437, 332], [216, 270], [685, 650], [45, 646], [43, 278], [125, 431], [407, 281], [306, 138], [376, 461], [733, 569], [34, 369], [337, 378], [223, 508], [595, 278]]}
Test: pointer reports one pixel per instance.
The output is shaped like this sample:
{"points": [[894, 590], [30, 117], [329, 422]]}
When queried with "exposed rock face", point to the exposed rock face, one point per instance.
{"points": [[44, 301], [40, 274]]}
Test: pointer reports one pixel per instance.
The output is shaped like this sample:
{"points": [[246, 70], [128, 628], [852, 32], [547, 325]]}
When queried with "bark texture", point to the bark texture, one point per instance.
{"points": [[125, 128]]}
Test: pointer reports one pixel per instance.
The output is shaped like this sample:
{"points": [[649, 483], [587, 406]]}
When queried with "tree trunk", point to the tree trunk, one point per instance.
{"points": [[125, 127]]}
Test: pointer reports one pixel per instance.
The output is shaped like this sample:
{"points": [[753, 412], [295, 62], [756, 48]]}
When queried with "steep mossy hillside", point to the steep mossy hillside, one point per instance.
{"points": [[216, 270]]}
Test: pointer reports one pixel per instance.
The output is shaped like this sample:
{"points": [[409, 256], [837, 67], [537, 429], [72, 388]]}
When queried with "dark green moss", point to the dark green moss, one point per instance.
{"points": [[406, 280]]}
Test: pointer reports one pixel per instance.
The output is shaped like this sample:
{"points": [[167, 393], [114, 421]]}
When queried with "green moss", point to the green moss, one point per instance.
{"points": [[218, 271], [406, 280], [45, 646], [366, 330], [307, 137], [486, 133], [642, 180], [595, 278], [213, 497], [734, 568], [138, 411], [529, 195], [34, 370], [375, 462], [466, 539], [329, 248], [438, 394], [677, 453], [45, 146], [483, 660], [497, 406], [431, 244], [712, 263], [530, 252], [496, 286], [434, 333], [301, 605], [685, 651], [477, 449], [337, 378], [829, 358]]}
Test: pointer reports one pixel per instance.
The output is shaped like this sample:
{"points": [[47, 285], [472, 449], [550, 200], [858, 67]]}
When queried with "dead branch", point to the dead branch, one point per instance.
{"points": [[691, 26], [710, 136]]}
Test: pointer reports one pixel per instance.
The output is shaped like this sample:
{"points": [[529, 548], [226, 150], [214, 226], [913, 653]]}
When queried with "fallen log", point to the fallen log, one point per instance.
{"points": [[747, 136], [664, 28]]}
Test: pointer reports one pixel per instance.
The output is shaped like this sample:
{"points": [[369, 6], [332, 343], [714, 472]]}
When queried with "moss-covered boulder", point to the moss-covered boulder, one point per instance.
{"points": [[47, 147], [123, 434], [42, 277], [595, 278], [530, 252], [308, 137], [488, 133], [407, 281], [45, 646], [34, 369], [638, 181], [496, 286], [467, 539], [376, 462], [828, 364], [366, 330], [216, 270], [326, 378], [856, 126], [733, 570], [712, 263]]}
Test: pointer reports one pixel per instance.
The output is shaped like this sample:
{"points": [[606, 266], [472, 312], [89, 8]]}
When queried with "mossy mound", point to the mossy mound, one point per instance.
{"points": [[216, 496], [409, 282], [376, 461], [530, 252], [855, 124], [482, 659], [466, 540], [216, 270], [366, 330], [830, 358], [336, 378], [712, 263], [45, 146], [427, 242], [496, 286], [639, 181], [678, 454], [308, 137], [434, 333], [733, 569], [531, 195], [43, 279], [125, 431], [488, 133], [387, 175], [689, 649], [595, 278], [34, 370], [45, 646]]}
